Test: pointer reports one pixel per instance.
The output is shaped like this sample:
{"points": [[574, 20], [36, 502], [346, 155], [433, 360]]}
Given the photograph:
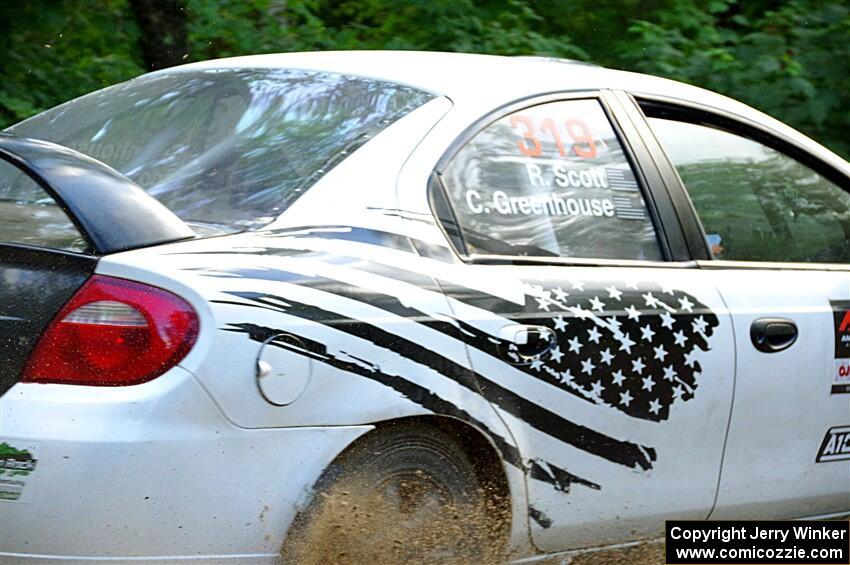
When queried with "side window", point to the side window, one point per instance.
{"points": [[550, 181], [755, 203], [28, 215]]}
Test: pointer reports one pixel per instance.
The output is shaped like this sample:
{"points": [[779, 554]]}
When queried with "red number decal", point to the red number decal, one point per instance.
{"points": [[535, 149], [549, 125], [581, 137]]}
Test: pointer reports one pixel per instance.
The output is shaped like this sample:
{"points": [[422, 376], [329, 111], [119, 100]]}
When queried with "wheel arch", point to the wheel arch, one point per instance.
{"points": [[490, 466], [499, 478]]}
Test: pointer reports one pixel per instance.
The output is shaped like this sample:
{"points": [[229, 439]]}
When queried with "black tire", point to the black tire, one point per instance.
{"points": [[405, 494]]}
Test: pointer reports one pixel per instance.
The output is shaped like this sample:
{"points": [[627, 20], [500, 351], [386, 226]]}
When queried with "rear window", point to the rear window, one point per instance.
{"points": [[29, 216], [231, 149]]}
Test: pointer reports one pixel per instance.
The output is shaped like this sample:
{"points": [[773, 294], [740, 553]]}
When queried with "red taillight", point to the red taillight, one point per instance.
{"points": [[114, 332]]}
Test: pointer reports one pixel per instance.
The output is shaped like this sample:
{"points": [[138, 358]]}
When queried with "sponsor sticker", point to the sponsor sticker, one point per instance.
{"points": [[17, 469], [841, 378], [835, 445], [841, 370]]}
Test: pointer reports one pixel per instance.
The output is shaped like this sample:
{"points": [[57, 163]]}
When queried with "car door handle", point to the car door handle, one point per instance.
{"points": [[522, 343], [771, 335]]}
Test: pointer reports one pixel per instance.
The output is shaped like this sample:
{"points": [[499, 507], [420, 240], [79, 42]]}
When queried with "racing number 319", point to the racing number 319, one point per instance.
{"points": [[530, 146]]}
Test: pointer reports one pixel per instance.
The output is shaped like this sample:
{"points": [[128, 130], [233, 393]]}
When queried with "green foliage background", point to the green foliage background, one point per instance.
{"points": [[790, 58]]}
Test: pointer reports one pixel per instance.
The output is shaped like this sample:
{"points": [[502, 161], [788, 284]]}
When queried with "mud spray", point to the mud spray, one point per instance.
{"points": [[355, 526]]}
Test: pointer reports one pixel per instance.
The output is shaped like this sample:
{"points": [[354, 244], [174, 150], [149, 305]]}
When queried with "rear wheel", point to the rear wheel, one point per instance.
{"points": [[405, 494]]}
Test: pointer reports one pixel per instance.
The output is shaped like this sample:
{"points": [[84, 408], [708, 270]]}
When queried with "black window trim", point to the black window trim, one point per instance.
{"points": [[656, 106], [681, 211], [659, 206]]}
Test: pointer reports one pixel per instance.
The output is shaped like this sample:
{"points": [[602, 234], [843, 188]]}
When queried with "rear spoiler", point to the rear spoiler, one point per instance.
{"points": [[112, 212]]}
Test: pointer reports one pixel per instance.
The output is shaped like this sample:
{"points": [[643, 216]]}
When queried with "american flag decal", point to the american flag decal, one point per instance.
{"points": [[629, 208], [621, 179], [629, 345], [626, 206], [633, 347]]}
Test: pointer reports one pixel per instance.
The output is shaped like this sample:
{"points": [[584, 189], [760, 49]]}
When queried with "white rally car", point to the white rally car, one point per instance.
{"points": [[580, 300]]}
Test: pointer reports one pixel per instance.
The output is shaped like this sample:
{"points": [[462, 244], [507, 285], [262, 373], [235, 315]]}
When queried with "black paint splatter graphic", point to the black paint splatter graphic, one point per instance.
{"points": [[560, 479], [586, 439], [630, 345]]}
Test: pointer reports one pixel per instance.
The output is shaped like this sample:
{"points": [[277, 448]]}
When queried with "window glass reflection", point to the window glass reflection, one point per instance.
{"points": [[550, 180], [29, 216], [755, 203], [227, 147]]}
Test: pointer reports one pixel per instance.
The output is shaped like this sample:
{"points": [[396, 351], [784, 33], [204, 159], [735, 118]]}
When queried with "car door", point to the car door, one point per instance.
{"points": [[608, 358], [777, 222]]}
